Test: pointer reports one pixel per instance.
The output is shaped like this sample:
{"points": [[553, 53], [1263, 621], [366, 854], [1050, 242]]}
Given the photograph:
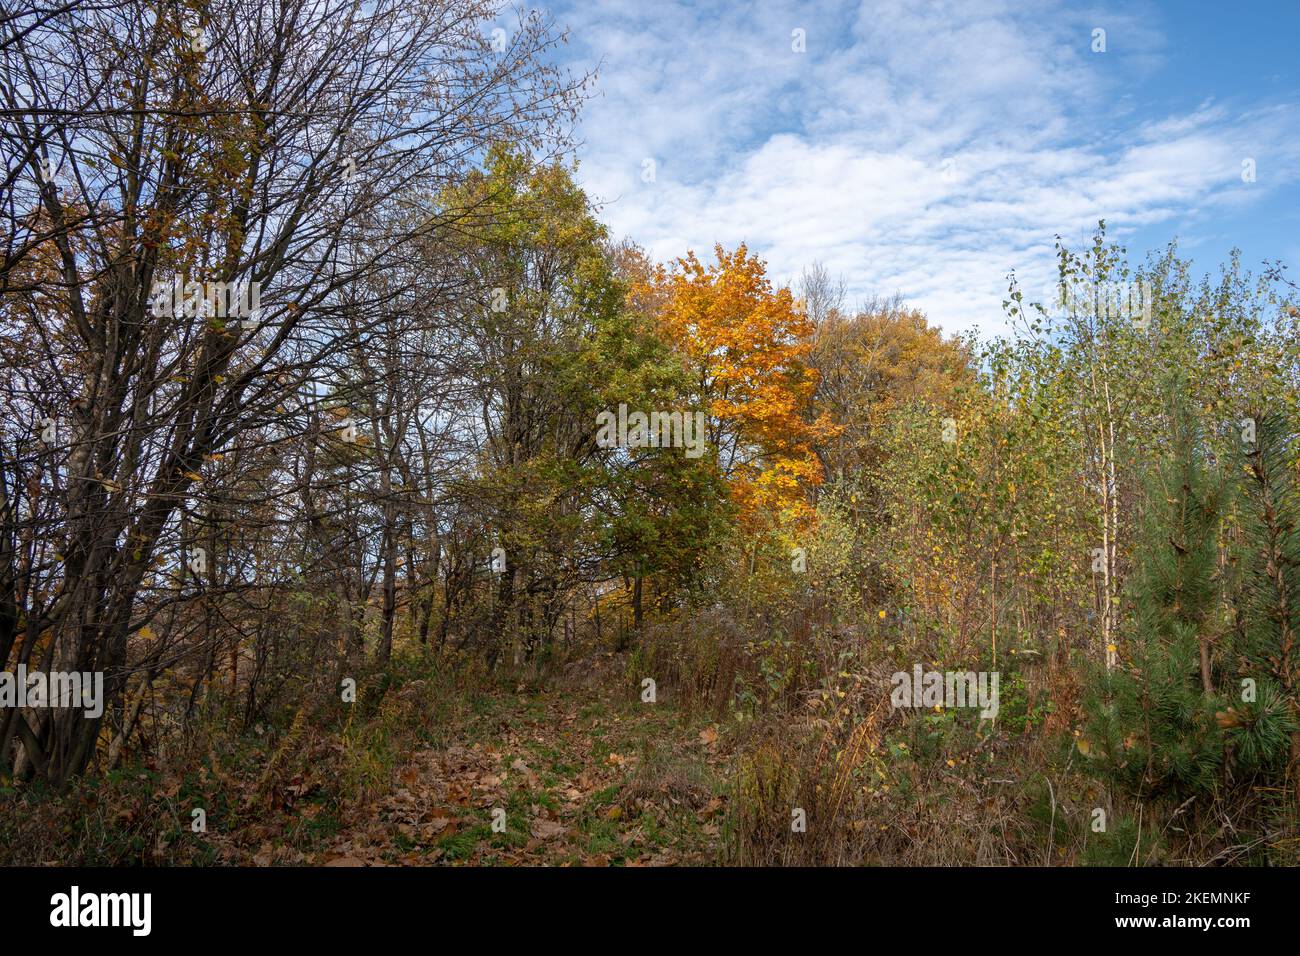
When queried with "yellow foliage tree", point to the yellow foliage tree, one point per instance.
{"points": [[873, 363], [746, 343]]}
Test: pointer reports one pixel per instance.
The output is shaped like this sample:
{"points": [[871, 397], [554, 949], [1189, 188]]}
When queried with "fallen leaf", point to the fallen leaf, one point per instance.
{"points": [[544, 829]]}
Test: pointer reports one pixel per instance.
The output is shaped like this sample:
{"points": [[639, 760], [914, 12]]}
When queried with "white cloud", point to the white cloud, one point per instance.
{"points": [[924, 152]]}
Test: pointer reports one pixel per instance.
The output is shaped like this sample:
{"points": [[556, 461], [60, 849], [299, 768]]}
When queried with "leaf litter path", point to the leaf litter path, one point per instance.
{"points": [[584, 780]]}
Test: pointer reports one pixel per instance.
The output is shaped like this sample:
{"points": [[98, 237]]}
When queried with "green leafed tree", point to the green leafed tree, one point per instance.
{"points": [[1151, 720]]}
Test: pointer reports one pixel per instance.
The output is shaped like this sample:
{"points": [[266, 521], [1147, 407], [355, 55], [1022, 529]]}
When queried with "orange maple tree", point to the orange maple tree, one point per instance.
{"points": [[746, 343]]}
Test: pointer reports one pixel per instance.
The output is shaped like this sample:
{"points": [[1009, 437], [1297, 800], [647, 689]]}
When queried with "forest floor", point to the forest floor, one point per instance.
{"points": [[585, 776]]}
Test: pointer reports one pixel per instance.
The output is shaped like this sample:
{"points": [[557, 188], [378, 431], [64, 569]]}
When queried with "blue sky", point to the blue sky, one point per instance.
{"points": [[929, 148]]}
